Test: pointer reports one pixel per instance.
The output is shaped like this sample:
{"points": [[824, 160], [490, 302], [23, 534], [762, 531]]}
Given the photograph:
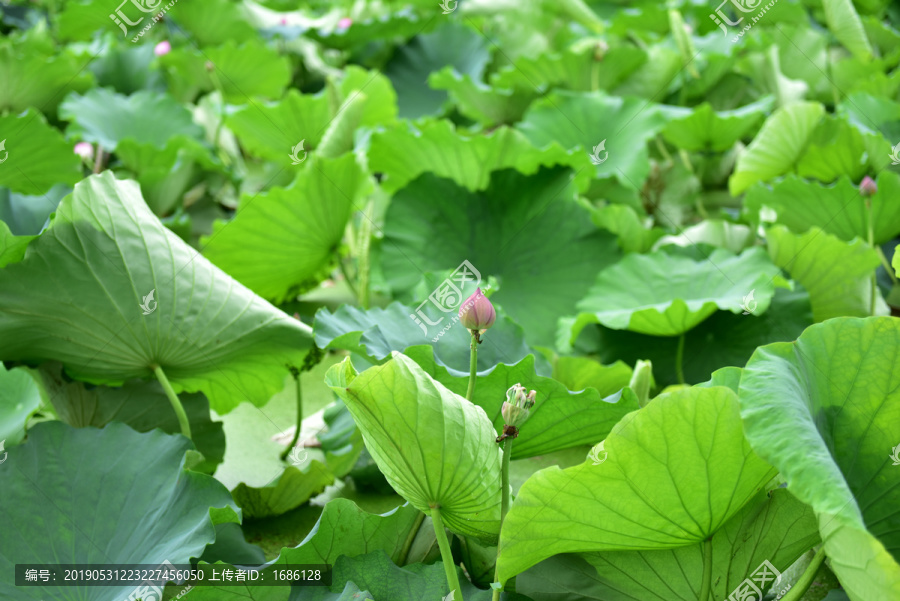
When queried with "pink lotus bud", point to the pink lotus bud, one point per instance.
{"points": [[283, 20], [868, 187], [477, 313], [162, 48], [517, 408], [345, 23], [84, 150]]}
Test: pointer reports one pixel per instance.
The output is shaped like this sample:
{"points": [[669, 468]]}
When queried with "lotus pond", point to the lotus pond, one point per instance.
{"points": [[476, 300]]}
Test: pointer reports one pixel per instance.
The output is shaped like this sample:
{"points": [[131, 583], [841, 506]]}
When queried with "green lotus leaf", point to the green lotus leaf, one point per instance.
{"points": [[35, 156], [502, 232], [451, 43], [873, 114], [776, 528], [482, 103], [290, 490], [837, 149], [244, 72], [19, 399], [824, 411], [110, 496], [82, 294], [667, 295], [734, 237], [633, 232], [26, 215], [844, 23], [705, 129], [282, 238], [127, 69], [12, 247], [673, 474], [37, 76], [435, 448], [403, 23], [215, 22], [578, 373], [559, 420], [107, 118], [778, 146], [837, 274], [441, 149], [569, 120], [837, 209], [141, 405], [724, 339]]}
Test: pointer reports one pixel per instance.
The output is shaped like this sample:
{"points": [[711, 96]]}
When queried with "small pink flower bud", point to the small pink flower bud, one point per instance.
{"points": [[162, 48], [84, 150], [868, 187], [345, 23], [477, 313], [283, 20]]}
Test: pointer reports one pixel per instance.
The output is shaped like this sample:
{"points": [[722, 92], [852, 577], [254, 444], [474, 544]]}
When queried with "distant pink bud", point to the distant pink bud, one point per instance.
{"points": [[283, 21], [477, 313], [345, 23], [162, 48], [84, 150], [868, 187]]}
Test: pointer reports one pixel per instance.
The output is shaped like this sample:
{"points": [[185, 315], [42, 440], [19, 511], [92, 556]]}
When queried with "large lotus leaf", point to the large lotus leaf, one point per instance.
{"points": [[578, 373], [26, 215], [837, 209], [705, 129], [633, 230], [376, 333], [141, 405], [674, 473], [12, 247], [724, 339], [873, 114], [559, 420], [19, 398], [37, 77], [570, 120], [778, 146], [505, 232], [107, 118], [110, 496], [435, 448], [290, 490], [452, 43], [400, 23], [734, 237], [667, 295], [837, 274], [837, 149], [776, 528], [281, 239], [35, 156], [824, 411], [468, 160], [482, 103], [77, 297], [215, 22], [844, 23]]}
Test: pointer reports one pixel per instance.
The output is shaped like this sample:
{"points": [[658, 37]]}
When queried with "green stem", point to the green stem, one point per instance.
{"points": [[506, 445], [871, 228], [296, 373], [887, 266], [365, 242], [806, 579], [347, 278], [707, 570], [679, 356], [173, 399], [473, 366], [407, 544], [446, 554]]}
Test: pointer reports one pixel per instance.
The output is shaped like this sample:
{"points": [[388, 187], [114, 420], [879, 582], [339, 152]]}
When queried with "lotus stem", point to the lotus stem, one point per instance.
{"points": [[362, 270], [506, 445], [887, 266], [806, 578], [446, 554], [407, 544], [296, 374], [473, 365], [871, 228], [173, 399], [679, 358], [707, 570]]}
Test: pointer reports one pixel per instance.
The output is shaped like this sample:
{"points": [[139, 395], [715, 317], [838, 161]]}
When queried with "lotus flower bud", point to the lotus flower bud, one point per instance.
{"points": [[477, 313], [516, 408], [345, 23], [162, 48], [868, 187], [84, 150]]}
